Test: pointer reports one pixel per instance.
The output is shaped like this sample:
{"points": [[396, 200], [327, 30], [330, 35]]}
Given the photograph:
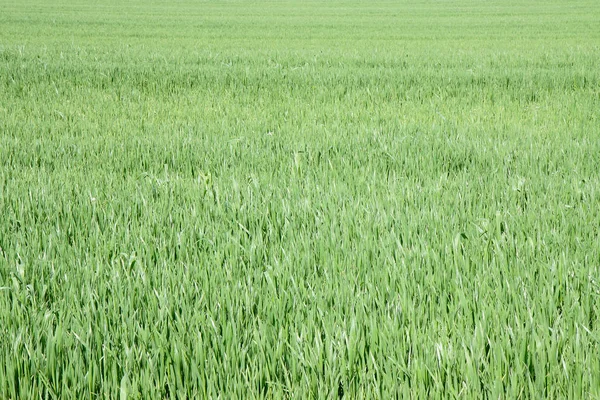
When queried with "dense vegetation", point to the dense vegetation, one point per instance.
{"points": [[299, 199]]}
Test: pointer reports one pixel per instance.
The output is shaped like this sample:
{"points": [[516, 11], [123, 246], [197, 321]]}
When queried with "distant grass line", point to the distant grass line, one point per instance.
{"points": [[310, 200]]}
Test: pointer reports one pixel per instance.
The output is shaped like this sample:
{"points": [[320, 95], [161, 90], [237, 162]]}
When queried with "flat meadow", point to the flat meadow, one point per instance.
{"points": [[299, 199]]}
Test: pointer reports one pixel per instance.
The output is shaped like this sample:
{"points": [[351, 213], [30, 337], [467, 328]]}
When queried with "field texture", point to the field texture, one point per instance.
{"points": [[327, 199]]}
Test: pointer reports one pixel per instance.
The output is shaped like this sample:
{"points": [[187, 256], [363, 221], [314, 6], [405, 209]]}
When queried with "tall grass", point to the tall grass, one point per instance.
{"points": [[308, 200]]}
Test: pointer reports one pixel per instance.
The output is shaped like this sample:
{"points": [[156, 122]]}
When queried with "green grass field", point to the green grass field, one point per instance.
{"points": [[290, 199]]}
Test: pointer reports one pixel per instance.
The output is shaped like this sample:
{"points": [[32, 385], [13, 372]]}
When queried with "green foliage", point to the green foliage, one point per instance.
{"points": [[299, 199]]}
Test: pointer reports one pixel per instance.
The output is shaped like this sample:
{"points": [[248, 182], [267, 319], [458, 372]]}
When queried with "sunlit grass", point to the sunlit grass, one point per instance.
{"points": [[308, 200]]}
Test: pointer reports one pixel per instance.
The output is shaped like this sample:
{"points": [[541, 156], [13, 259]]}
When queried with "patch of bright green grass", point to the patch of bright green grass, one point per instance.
{"points": [[299, 199]]}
